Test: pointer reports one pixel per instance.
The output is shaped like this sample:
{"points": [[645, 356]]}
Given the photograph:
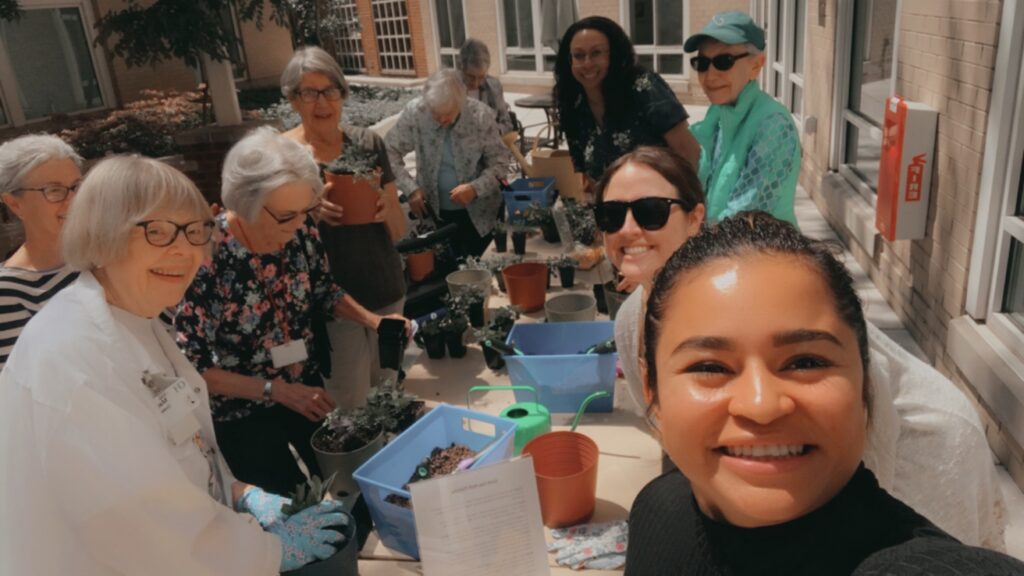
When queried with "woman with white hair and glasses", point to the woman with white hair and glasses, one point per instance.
{"points": [[246, 320], [110, 461], [363, 258], [474, 62], [459, 159], [38, 178]]}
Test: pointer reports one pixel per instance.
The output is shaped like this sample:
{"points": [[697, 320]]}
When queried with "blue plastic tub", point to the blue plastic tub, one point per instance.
{"points": [[388, 470], [553, 365], [527, 192]]}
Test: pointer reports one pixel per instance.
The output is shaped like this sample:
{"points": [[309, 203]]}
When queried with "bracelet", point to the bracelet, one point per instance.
{"points": [[267, 388]]}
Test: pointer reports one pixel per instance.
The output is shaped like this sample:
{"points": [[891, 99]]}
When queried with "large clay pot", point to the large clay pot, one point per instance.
{"points": [[357, 196], [526, 283], [420, 264]]}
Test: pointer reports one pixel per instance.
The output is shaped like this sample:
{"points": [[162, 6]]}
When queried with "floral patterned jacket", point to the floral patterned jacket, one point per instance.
{"points": [[240, 305], [480, 156], [654, 111]]}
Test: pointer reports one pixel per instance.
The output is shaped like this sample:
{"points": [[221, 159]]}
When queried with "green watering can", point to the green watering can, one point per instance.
{"points": [[532, 418]]}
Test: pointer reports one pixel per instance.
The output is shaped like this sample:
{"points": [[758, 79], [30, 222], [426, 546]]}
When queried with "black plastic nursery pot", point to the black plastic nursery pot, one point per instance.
{"points": [[567, 275], [500, 242], [519, 243], [493, 358], [434, 345], [550, 232], [501, 281], [602, 304], [456, 347], [476, 314]]}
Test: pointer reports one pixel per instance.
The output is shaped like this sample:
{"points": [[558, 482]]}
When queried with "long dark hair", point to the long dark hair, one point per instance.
{"points": [[753, 233], [617, 86]]}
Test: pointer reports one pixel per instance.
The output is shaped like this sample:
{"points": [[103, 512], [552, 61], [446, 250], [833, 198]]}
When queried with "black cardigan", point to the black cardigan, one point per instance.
{"points": [[862, 531]]}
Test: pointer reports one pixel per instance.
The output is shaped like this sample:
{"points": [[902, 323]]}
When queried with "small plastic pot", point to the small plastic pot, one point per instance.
{"points": [[476, 314], [434, 345], [456, 347], [550, 232], [602, 304], [519, 243], [567, 276], [501, 242], [493, 358]]}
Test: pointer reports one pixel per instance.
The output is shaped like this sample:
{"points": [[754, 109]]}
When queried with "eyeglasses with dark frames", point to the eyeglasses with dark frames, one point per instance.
{"points": [[290, 217], [650, 213], [310, 95], [161, 233], [53, 192], [721, 62]]}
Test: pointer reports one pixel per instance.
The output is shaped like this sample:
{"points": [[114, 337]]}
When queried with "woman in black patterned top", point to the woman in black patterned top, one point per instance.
{"points": [[608, 104], [246, 322], [38, 178]]}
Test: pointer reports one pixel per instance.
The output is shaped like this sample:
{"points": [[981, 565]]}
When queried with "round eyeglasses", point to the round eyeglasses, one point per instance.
{"points": [[53, 192], [310, 95], [161, 233]]}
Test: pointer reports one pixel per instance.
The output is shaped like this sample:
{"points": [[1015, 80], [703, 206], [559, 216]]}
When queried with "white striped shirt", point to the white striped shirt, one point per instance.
{"points": [[22, 294]]}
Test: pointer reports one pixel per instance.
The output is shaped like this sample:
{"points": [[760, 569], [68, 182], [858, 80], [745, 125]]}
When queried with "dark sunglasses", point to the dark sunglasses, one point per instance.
{"points": [[650, 213], [721, 62]]}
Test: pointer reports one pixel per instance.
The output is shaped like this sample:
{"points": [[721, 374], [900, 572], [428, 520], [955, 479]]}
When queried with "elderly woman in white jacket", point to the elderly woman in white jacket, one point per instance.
{"points": [[110, 463], [925, 443]]}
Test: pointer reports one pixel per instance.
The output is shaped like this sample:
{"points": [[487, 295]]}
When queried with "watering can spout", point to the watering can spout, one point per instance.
{"points": [[583, 407]]}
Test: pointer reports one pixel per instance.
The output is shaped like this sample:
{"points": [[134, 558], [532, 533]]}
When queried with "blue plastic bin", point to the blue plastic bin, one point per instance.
{"points": [[388, 470], [527, 192], [553, 365]]}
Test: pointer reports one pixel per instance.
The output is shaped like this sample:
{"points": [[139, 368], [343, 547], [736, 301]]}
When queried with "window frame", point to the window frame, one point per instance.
{"points": [[842, 115], [778, 17], [9, 80], [441, 51], [539, 51], [655, 50]]}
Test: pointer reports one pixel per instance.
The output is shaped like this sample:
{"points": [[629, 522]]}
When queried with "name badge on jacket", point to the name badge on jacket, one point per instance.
{"points": [[289, 353], [176, 402]]}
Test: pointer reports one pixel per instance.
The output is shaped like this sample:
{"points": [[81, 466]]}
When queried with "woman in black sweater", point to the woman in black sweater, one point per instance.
{"points": [[759, 399]]}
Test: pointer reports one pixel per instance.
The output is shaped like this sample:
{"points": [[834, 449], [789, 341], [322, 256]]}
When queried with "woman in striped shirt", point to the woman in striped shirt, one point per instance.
{"points": [[38, 177]]}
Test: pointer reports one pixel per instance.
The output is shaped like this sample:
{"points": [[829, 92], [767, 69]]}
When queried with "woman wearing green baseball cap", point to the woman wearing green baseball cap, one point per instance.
{"points": [[751, 148]]}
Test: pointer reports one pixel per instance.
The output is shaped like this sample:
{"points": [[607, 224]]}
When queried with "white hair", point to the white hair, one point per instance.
{"points": [[115, 196], [261, 162], [444, 90], [24, 154], [474, 55], [308, 60], [754, 50]]}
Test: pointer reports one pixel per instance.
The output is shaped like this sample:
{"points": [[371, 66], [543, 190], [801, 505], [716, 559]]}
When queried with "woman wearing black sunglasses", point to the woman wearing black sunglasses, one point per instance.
{"points": [[751, 157], [609, 105]]}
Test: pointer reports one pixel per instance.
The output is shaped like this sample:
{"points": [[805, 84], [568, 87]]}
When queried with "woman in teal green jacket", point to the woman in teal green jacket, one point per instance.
{"points": [[750, 148]]}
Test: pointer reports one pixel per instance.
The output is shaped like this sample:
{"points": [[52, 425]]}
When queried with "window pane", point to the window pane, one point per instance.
{"points": [[670, 23], [549, 63], [1020, 193], [1013, 301], [641, 22], [525, 24], [797, 104], [670, 64], [52, 62], [646, 60], [863, 153], [444, 26], [511, 35], [778, 85], [798, 37], [520, 63], [458, 23], [871, 57], [447, 61]]}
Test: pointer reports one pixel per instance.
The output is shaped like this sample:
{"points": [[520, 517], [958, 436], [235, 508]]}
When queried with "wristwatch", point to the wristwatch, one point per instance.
{"points": [[267, 389]]}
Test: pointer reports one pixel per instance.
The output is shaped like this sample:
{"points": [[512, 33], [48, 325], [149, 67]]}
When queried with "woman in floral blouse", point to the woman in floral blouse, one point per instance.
{"points": [[246, 320], [609, 105]]}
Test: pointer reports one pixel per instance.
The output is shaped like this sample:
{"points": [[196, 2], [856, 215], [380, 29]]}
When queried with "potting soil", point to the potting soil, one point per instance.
{"points": [[440, 462]]}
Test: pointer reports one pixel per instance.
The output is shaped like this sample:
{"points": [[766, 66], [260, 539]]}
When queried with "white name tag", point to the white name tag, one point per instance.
{"points": [[288, 354], [176, 401]]}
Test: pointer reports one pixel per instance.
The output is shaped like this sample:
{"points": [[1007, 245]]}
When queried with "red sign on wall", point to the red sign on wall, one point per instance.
{"points": [[915, 178]]}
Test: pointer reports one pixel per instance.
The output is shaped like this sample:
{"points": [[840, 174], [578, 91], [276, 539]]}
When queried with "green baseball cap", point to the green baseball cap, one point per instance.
{"points": [[728, 28]]}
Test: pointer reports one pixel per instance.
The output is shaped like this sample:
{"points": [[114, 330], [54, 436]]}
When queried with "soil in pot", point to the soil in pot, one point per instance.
{"points": [[519, 243], [434, 345], [456, 348], [440, 462], [567, 276], [501, 242]]}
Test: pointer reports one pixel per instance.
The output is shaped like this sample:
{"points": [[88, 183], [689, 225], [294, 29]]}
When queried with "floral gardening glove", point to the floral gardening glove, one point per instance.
{"points": [[596, 546], [264, 506], [304, 537]]}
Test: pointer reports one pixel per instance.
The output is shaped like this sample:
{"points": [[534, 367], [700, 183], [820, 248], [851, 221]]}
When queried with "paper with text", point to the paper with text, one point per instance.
{"points": [[484, 521]]}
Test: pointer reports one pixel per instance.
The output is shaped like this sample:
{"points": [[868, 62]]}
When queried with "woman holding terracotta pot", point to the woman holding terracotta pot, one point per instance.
{"points": [[360, 248]]}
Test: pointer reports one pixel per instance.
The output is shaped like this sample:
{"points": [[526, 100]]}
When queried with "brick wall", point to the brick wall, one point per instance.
{"points": [[946, 57]]}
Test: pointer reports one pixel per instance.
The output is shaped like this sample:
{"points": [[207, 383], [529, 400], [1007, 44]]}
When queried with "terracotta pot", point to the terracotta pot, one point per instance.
{"points": [[526, 283], [565, 464], [420, 264], [357, 196]]}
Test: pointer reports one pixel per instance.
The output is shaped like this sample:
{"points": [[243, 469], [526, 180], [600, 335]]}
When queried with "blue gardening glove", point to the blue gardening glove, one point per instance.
{"points": [[264, 506], [596, 546], [304, 537]]}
